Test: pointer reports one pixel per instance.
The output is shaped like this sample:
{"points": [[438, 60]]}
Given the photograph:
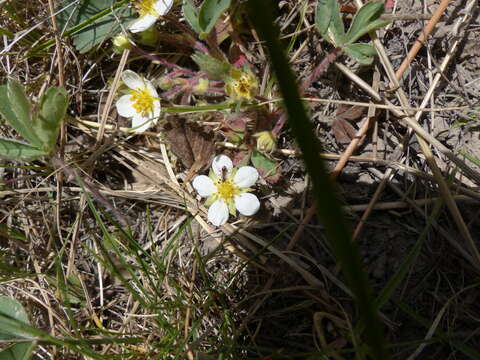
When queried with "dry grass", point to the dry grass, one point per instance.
{"points": [[110, 252]]}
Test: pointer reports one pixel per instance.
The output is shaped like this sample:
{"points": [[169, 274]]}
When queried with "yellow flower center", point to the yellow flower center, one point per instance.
{"points": [[142, 101], [226, 190], [242, 85], [146, 7]]}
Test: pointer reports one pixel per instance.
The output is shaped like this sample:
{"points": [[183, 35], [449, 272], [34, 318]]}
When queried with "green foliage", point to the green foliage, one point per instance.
{"points": [[190, 13], [40, 128], [15, 108], [330, 25], [329, 22], [267, 167], [215, 69], [203, 20], [364, 53], [12, 316], [98, 21], [367, 19], [53, 107], [12, 149]]}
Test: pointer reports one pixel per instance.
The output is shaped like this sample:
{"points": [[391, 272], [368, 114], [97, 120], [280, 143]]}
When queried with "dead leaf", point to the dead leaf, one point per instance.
{"points": [[192, 143], [348, 112], [343, 131]]}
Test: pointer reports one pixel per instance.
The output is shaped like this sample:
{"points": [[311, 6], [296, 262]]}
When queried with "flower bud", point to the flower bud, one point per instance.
{"points": [[121, 42], [265, 141], [201, 87], [149, 37]]}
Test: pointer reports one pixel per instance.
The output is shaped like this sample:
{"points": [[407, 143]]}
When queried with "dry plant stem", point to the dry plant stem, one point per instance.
{"points": [[415, 204], [413, 123], [111, 96], [61, 82], [338, 168], [421, 39]]}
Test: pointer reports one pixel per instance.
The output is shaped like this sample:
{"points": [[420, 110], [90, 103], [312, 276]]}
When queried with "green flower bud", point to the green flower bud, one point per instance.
{"points": [[265, 141], [149, 37], [201, 87], [121, 42]]}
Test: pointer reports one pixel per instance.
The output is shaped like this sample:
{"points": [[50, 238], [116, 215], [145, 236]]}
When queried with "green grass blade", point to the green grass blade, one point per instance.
{"points": [[328, 207]]}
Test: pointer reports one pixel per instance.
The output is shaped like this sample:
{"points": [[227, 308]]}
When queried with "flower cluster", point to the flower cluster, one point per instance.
{"points": [[150, 11], [227, 190], [142, 103]]}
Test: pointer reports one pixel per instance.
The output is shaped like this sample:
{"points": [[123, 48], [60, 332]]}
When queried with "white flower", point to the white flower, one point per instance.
{"points": [[227, 190], [142, 103], [150, 11]]}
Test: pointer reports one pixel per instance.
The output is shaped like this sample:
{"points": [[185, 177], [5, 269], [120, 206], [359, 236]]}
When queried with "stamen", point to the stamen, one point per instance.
{"points": [[226, 190], [146, 7], [142, 101]]}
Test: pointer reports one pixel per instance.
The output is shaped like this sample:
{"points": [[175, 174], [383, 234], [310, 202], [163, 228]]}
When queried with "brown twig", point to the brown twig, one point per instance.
{"points": [[421, 39]]}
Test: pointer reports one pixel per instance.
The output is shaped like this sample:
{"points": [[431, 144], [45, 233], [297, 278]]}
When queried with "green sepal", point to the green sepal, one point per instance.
{"points": [[210, 200], [213, 176], [231, 208]]}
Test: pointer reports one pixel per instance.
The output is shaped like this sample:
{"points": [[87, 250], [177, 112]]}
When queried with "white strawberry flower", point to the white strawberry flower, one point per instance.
{"points": [[150, 11], [227, 189], [142, 103]]}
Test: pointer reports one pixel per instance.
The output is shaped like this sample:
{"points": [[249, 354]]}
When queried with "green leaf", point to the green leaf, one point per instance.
{"points": [[15, 108], [215, 69], [209, 13], [366, 19], [11, 149], [53, 107], [100, 28], [267, 168], [190, 13], [329, 22], [20, 351], [362, 52], [12, 315]]}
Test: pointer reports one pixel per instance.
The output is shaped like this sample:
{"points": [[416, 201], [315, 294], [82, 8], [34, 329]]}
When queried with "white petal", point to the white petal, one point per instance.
{"points": [[162, 6], [247, 204], [125, 106], [246, 176], [204, 185], [156, 103], [143, 23], [132, 80], [150, 88], [219, 162], [218, 213], [156, 110], [141, 123]]}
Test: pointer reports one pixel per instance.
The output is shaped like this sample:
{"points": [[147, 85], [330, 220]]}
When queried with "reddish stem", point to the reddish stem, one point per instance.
{"points": [[155, 59]]}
